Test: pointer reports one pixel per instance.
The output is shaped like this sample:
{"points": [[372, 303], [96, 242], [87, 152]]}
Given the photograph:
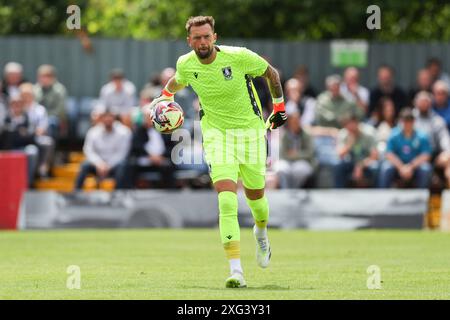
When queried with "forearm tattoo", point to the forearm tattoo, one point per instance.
{"points": [[273, 80]]}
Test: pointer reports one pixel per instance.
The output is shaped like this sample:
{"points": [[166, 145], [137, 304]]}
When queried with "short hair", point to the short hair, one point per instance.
{"points": [[333, 79], [27, 87], [116, 74], [423, 95], [442, 85], [46, 69], [199, 21], [406, 114], [386, 66], [13, 67], [434, 60]]}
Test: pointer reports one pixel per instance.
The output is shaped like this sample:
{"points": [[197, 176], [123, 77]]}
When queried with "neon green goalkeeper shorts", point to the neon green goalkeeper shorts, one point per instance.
{"points": [[234, 154]]}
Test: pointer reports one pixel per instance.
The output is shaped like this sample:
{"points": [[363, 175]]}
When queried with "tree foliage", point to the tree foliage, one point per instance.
{"points": [[414, 20]]}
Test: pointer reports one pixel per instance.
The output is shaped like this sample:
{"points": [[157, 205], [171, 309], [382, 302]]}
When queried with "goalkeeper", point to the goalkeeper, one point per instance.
{"points": [[233, 130]]}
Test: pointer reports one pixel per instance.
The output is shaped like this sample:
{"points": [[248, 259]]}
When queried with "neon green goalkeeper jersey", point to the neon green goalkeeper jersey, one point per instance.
{"points": [[224, 87]]}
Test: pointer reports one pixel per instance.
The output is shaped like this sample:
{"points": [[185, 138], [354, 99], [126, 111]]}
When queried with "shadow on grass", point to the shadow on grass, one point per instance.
{"points": [[260, 288]]}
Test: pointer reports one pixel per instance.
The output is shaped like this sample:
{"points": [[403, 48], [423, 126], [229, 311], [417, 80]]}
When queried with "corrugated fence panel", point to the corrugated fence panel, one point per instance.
{"points": [[84, 73]]}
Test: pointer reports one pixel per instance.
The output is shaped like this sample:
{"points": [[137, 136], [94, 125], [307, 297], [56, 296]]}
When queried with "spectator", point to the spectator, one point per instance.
{"points": [[358, 155], [119, 94], [302, 75], [424, 83], [3, 109], [432, 124], [386, 87], [13, 78], [332, 107], [296, 98], [150, 152], [296, 165], [18, 135], [106, 148], [408, 155], [388, 121], [434, 66], [38, 118], [441, 101], [50, 93], [353, 91]]}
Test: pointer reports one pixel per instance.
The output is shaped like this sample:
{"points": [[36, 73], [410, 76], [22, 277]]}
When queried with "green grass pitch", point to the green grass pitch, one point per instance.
{"points": [[190, 264]]}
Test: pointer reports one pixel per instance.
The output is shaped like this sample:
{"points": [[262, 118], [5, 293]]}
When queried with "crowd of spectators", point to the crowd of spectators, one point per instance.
{"points": [[386, 136]]}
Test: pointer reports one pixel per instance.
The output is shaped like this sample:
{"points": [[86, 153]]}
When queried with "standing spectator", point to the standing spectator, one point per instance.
{"points": [[424, 83], [302, 75], [150, 152], [441, 101], [3, 109], [434, 66], [38, 118], [353, 91], [106, 148], [331, 106], [388, 121], [358, 155], [297, 154], [13, 78], [18, 135], [296, 98], [408, 155], [50, 93], [119, 94], [432, 124], [386, 87]]}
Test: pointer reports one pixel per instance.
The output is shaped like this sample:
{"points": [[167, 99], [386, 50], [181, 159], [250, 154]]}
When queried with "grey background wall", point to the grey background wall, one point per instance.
{"points": [[84, 73]]}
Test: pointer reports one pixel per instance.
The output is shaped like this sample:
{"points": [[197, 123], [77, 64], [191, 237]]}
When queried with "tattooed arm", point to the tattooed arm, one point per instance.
{"points": [[273, 80], [278, 116]]}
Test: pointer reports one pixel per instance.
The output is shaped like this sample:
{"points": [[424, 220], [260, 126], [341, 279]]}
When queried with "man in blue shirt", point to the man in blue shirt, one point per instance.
{"points": [[408, 155]]}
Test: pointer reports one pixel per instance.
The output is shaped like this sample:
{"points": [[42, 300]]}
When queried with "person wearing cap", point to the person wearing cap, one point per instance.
{"points": [[119, 94], [52, 94], [297, 162], [106, 149], [428, 121], [408, 155], [13, 78], [358, 154]]}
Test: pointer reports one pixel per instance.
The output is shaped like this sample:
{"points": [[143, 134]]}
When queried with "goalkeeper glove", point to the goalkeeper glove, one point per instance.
{"points": [[165, 95], [278, 116]]}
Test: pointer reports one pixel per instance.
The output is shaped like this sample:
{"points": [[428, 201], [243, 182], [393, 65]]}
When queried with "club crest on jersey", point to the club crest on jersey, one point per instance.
{"points": [[228, 75], [195, 75]]}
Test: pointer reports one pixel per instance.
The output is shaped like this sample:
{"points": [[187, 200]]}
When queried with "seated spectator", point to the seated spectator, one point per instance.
{"points": [[302, 75], [353, 91], [13, 78], [119, 94], [50, 93], [388, 121], [3, 109], [17, 135], [38, 119], [331, 106], [296, 98], [297, 162], [150, 152], [424, 83], [408, 155], [106, 148], [358, 155], [386, 88], [434, 126], [441, 103], [434, 66]]}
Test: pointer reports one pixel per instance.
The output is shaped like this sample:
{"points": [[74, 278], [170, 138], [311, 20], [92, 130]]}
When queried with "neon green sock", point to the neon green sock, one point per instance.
{"points": [[260, 211], [228, 219]]}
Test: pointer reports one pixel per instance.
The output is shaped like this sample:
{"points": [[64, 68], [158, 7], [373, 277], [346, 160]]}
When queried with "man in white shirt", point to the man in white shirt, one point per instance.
{"points": [[106, 148], [119, 94], [352, 91]]}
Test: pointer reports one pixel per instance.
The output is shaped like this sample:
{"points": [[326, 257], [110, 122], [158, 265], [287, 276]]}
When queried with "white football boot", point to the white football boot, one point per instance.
{"points": [[236, 280], [263, 252]]}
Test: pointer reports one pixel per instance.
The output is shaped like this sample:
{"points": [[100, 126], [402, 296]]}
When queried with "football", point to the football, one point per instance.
{"points": [[167, 116]]}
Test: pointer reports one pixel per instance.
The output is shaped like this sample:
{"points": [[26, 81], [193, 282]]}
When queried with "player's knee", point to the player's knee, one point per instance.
{"points": [[254, 194]]}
